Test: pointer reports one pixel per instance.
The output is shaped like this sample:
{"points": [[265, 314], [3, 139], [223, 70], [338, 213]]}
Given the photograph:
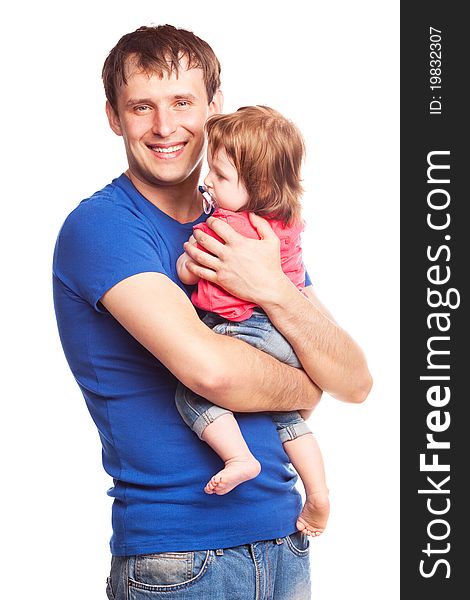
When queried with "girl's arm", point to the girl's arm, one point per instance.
{"points": [[182, 266]]}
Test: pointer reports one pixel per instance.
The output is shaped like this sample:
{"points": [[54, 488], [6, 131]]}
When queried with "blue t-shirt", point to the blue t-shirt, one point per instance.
{"points": [[158, 465]]}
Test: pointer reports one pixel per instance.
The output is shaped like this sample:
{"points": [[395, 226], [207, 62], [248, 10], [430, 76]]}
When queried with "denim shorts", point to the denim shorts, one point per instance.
{"points": [[268, 570], [258, 331]]}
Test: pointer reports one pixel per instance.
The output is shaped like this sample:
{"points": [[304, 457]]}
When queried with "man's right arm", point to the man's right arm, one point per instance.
{"points": [[226, 371]]}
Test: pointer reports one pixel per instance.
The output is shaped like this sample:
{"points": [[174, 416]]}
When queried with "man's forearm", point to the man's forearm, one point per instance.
{"points": [[259, 382], [328, 354], [227, 371]]}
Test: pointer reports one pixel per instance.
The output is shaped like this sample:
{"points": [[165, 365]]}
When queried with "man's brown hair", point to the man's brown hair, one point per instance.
{"points": [[267, 151], [158, 50]]}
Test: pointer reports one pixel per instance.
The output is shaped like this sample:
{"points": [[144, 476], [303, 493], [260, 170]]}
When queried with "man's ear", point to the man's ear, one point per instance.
{"points": [[113, 119], [217, 103]]}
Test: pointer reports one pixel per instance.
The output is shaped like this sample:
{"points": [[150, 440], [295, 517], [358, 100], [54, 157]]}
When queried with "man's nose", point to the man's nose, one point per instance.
{"points": [[164, 123]]}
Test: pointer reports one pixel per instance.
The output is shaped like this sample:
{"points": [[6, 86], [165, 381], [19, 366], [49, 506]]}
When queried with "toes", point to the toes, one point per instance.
{"points": [[314, 532], [213, 484], [307, 529], [300, 525], [210, 487]]}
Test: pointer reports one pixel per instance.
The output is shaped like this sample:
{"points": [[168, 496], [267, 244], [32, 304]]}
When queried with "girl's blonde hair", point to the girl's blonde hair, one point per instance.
{"points": [[267, 151]]}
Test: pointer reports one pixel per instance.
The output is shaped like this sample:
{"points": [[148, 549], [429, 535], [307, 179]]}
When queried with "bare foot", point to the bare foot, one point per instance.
{"points": [[234, 473], [314, 515]]}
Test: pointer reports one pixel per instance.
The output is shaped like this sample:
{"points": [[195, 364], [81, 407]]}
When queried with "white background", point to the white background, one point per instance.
{"points": [[332, 69]]}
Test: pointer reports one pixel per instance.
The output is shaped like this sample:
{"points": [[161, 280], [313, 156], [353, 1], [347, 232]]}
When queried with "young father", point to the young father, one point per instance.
{"points": [[130, 332]]}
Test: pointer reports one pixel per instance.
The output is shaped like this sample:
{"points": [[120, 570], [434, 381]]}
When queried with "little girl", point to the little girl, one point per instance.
{"points": [[255, 157]]}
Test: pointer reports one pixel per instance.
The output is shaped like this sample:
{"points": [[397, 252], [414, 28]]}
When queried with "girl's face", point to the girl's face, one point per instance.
{"points": [[223, 183]]}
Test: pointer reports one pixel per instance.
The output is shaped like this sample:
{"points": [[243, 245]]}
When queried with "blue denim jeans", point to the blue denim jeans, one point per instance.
{"points": [[268, 570], [258, 331]]}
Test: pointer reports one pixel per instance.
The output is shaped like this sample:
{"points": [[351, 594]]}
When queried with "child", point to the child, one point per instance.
{"points": [[254, 157]]}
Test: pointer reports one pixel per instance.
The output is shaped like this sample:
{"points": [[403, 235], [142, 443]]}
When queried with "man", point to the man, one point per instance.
{"points": [[129, 332]]}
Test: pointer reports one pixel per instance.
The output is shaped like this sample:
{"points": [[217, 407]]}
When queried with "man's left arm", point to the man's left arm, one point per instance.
{"points": [[327, 352], [251, 269]]}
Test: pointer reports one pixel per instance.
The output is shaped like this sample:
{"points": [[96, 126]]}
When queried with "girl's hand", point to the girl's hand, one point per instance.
{"points": [[185, 273]]}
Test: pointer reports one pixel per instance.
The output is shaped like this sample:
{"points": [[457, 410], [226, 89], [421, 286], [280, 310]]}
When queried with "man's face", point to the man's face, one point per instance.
{"points": [[162, 124]]}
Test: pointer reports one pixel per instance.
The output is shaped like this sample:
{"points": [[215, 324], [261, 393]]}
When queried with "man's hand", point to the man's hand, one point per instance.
{"points": [[251, 269], [247, 268]]}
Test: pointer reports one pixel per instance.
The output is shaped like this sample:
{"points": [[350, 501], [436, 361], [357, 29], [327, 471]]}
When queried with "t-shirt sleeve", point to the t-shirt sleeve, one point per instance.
{"points": [[101, 244]]}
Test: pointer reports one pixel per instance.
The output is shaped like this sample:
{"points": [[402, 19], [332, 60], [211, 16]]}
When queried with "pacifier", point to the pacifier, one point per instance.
{"points": [[208, 202]]}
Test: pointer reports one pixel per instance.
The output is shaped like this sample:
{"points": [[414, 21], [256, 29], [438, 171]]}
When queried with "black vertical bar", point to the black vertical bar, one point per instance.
{"points": [[435, 258]]}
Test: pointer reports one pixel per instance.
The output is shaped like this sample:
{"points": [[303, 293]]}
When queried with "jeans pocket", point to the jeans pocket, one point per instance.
{"points": [[298, 543], [109, 589], [169, 571]]}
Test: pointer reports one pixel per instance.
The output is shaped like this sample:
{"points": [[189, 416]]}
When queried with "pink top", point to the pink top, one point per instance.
{"points": [[213, 298]]}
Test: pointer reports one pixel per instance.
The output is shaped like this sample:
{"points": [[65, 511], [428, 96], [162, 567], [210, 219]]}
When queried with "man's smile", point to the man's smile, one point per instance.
{"points": [[167, 150]]}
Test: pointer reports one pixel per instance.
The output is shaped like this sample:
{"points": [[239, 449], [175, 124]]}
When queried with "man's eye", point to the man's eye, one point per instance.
{"points": [[142, 108], [182, 104]]}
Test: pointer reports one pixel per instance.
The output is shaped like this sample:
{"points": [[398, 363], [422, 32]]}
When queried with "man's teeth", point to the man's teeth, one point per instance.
{"points": [[167, 150]]}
